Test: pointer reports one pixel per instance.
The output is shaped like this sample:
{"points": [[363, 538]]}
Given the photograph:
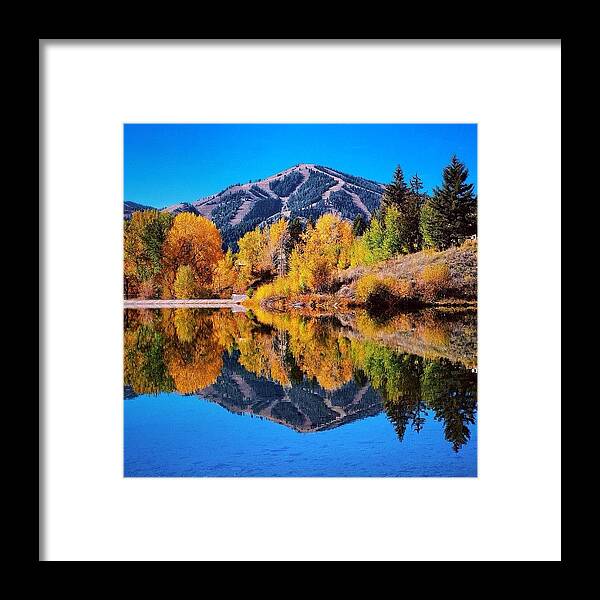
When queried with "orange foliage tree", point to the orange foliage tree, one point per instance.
{"points": [[192, 241]]}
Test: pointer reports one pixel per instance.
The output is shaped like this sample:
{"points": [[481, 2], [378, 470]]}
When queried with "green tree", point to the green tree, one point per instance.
{"points": [[416, 184], [410, 229], [296, 229], [373, 239], [405, 205], [393, 238], [359, 225], [451, 392], [396, 192], [450, 215], [185, 283], [144, 236]]}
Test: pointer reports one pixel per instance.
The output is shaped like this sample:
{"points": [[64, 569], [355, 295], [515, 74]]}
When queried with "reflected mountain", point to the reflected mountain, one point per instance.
{"points": [[311, 373], [304, 406]]}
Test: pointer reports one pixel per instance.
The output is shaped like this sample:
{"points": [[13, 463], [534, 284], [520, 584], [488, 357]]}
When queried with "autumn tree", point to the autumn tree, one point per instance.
{"points": [[278, 246], [194, 241], [325, 248], [226, 275], [194, 356], [264, 253], [251, 256], [185, 285], [296, 229], [450, 215], [144, 237]]}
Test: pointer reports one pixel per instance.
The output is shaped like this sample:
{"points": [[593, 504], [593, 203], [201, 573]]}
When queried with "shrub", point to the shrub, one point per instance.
{"points": [[384, 291], [469, 243], [280, 287], [321, 275], [433, 280], [403, 289], [373, 290], [365, 286]]}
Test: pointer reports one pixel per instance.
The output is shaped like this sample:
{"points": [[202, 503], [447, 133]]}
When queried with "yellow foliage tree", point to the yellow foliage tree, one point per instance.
{"points": [[225, 280], [185, 283], [194, 355], [252, 254], [325, 248]]}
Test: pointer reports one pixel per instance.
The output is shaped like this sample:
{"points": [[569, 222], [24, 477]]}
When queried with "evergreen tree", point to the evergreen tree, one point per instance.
{"points": [[296, 229], [451, 214], [410, 230], [396, 192], [359, 226], [405, 233], [416, 184]]}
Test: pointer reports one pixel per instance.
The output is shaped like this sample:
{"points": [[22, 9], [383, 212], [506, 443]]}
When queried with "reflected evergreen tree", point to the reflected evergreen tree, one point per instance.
{"points": [[402, 398], [450, 391]]}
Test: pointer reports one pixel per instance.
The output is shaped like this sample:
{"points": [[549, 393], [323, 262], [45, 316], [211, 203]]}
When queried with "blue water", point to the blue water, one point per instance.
{"points": [[173, 435]]}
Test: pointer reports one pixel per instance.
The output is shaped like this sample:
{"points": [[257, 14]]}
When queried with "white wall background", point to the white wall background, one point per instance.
{"points": [[511, 511]]}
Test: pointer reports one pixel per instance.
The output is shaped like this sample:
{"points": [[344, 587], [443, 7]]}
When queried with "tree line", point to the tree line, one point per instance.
{"points": [[182, 256], [409, 220]]}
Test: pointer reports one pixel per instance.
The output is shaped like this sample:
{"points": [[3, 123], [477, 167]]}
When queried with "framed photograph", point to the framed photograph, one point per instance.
{"points": [[271, 299], [298, 319]]}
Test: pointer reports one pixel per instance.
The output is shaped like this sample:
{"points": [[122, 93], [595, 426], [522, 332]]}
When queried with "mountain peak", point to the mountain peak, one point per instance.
{"points": [[305, 190]]}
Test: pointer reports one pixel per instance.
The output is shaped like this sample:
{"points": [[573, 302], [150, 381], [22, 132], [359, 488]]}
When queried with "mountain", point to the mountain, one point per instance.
{"points": [[305, 191], [130, 207], [304, 407]]}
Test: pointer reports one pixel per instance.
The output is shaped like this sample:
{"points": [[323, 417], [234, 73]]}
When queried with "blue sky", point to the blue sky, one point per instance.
{"points": [[165, 164]]}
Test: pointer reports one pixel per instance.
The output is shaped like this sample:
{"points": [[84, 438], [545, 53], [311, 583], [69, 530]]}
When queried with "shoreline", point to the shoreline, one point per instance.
{"points": [[334, 304], [191, 303]]}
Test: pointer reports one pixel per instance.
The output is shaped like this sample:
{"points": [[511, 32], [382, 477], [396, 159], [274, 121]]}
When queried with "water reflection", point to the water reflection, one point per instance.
{"points": [[311, 373]]}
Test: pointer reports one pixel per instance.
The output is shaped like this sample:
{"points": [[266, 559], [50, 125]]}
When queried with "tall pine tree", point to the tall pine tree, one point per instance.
{"points": [[416, 184], [450, 215], [396, 192], [407, 207]]}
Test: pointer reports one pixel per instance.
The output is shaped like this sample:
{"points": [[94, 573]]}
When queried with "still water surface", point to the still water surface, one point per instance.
{"points": [[220, 394]]}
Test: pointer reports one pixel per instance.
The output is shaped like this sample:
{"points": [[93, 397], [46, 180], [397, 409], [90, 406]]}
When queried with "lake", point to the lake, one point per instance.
{"points": [[216, 393]]}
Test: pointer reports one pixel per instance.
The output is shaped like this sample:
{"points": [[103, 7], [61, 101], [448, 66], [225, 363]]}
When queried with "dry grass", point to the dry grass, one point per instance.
{"points": [[448, 276]]}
